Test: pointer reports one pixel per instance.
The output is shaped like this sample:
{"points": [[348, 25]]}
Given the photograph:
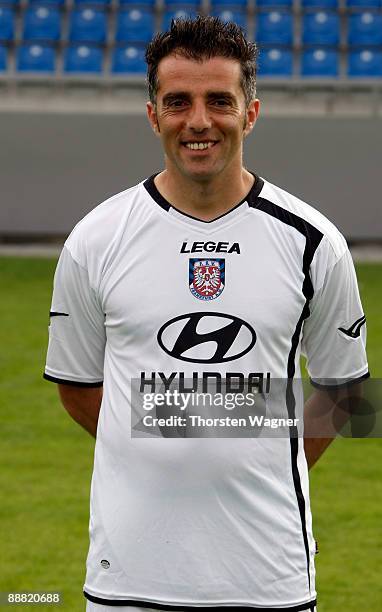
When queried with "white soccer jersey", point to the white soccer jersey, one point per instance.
{"points": [[146, 293]]}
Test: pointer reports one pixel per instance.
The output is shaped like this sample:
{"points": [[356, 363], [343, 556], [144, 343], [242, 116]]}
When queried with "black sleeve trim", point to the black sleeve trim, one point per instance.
{"points": [[182, 608], [72, 383], [349, 383]]}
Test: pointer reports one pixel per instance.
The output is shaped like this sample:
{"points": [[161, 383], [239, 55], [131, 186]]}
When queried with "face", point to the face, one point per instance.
{"points": [[201, 115]]}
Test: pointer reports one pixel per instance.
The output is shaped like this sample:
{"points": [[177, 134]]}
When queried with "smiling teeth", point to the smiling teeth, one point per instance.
{"points": [[199, 145]]}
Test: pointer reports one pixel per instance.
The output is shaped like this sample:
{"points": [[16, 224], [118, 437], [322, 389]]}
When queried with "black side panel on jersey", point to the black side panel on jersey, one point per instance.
{"points": [[181, 608], [313, 238]]}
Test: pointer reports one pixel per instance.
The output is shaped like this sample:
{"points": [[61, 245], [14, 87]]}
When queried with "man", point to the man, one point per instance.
{"points": [[203, 271]]}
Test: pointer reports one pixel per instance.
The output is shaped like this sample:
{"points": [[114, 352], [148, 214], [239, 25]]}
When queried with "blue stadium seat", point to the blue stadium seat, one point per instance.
{"points": [[237, 4], [130, 3], [96, 3], [88, 25], [7, 23], [182, 4], [135, 25], [365, 29], [321, 28], [9, 3], [3, 58], [274, 28], [33, 57], [274, 3], [42, 23], [58, 3], [276, 63], [365, 63], [324, 4], [322, 63], [83, 59], [176, 14], [129, 59], [231, 14], [364, 3]]}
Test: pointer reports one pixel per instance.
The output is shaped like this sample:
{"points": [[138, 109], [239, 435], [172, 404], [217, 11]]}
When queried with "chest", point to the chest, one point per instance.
{"points": [[239, 280]]}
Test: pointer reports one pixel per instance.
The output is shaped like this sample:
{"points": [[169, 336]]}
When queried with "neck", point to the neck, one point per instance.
{"points": [[208, 199]]}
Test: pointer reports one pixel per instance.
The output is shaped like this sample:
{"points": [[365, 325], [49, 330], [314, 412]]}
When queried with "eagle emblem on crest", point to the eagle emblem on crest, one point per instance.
{"points": [[206, 278]]}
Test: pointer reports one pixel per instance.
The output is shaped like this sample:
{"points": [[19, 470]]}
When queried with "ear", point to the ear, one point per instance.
{"points": [[152, 117], [252, 112]]}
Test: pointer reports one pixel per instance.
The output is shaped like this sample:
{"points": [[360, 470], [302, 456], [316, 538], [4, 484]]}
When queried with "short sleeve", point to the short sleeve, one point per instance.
{"points": [[77, 328], [334, 335]]}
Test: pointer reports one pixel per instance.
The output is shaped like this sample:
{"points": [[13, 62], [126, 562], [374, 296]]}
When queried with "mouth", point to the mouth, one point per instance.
{"points": [[200, 145]]}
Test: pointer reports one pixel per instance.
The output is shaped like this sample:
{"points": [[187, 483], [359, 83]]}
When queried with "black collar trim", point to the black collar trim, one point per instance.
{"points": [[152, 189]]}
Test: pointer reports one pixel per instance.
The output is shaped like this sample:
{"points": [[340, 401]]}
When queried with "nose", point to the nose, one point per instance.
{"points": [[198, 118]]}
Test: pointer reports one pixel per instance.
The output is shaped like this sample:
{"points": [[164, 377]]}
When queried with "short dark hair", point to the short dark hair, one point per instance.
{"points": [[202, 38]]}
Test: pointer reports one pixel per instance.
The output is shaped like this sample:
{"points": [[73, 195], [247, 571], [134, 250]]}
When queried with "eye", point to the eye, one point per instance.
{"points": [[221, 102], [178, 103]]}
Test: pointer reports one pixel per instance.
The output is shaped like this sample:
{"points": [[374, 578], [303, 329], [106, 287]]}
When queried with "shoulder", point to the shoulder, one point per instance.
{"points": [[314, 221], [327, 246], [103, 226]]}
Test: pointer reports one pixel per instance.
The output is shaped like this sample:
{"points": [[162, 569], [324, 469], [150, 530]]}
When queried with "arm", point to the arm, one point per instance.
{"points": [[334, 341], [325, 414], [83, 404], [77, 341]]}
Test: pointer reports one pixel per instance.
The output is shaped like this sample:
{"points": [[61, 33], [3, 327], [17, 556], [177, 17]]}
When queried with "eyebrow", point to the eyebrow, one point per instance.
{"points": [[209, 94]]}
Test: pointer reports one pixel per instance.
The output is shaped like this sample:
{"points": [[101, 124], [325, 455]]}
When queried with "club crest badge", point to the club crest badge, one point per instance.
{"points": [[206, 278]]}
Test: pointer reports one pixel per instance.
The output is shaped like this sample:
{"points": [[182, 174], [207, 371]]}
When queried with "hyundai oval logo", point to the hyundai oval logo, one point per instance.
{"points": [[202, 337]]}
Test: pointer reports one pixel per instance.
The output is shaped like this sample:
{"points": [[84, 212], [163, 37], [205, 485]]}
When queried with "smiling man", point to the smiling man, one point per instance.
{"points": [[201, 114], [203, 273]]}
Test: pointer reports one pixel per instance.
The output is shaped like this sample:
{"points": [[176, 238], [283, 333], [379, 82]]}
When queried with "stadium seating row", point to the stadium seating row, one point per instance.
{"points": [[276, 62], [275, 27], [334, 4]]}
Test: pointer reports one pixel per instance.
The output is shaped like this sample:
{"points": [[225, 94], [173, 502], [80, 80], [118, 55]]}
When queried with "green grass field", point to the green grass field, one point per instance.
{"points": [[46, 462]]}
